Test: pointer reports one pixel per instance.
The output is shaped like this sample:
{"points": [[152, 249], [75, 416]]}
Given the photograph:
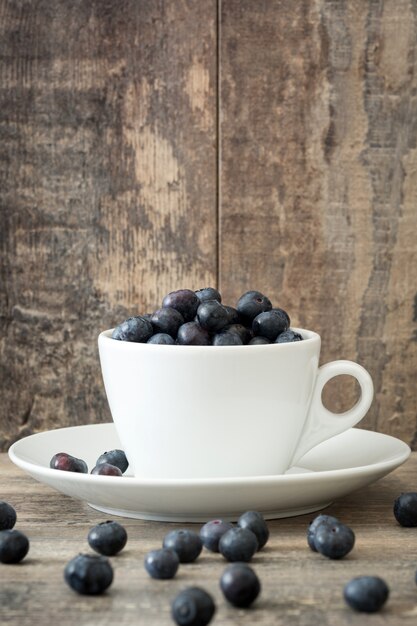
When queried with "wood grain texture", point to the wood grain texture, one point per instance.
{"points": [[108, 187], [299, 587], [318, 181]]}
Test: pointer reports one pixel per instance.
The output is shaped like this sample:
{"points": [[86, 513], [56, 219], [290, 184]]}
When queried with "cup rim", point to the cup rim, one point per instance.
{"points": [[309, 336]]}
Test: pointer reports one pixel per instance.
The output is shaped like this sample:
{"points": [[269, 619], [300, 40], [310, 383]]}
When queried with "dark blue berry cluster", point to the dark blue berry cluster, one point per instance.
{"points": [[112, 463], [14, 545], [199, 318]]}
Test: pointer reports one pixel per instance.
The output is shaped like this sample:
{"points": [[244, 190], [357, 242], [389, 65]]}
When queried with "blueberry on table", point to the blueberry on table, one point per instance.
{"points": [[212, 316], [239, 329], [89, 574], [334, 540], [227, 339], [106, 469], [191, 334], [167, 320], [288, 336], [208, 293], [238, 544], [162, 339], [114, 457], [251, 304], [366, 593], [186, 543], [405, 509], [271, 323], [162, 564], [68, 463], [240, 585], [183, 300], [327, 520], [193, 607], [211, 533], [258, 341], [254, 521], [14, 546], [7, 516], [137, 329], [107, 538]]}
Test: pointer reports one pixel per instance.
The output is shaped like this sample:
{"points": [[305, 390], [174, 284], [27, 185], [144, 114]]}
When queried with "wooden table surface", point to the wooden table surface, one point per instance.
{"points": [[299, 587]]}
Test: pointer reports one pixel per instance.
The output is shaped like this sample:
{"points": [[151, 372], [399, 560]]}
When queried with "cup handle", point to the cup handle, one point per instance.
{"points": [[322, 424]]}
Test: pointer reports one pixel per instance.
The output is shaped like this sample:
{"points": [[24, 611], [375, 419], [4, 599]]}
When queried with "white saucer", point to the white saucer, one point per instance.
{"points": [[331, 470]]}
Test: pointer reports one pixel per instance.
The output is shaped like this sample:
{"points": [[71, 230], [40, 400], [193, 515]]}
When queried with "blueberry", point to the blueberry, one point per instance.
{"points": [[137, 329], [162, 339], [405, 509], [167, 320], [240, 584], [227, 339], [106, 469], [327, 520], [114, 457], [212, 316], [68, 463], [288, 336], [186, 543], [238, 544], [208, 293], [193, 607], [366, 593], [185, 301], [254, 521], [251, 304], [258, 341], [107, 538], [271, 323], [7, 516], [162, 564], [233, 314], [89, 574], [244, 333], [334, 541], [212, 532], [14, 546], [191, 334]]}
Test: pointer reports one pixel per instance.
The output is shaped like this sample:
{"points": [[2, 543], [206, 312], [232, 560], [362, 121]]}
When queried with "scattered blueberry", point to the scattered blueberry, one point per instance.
{"points": [[68, 463], [137, 329], [106, 469], [211, 533], [186, 543], [244, 333], [162, 564], [366, 593], [227, 339], [193, 607], [183, 300], [405, 509], [89, 574], [212, 316], [167, 321], [288, 336], [107, 538], [334, 541], [14, 546], [238, 544], [271, 323], [7, 516], [254, 521], [258, 341], [191, 334], [162, 339], [240, 584], [208, 293], [114, 457], [251, 304], [328, 520]]}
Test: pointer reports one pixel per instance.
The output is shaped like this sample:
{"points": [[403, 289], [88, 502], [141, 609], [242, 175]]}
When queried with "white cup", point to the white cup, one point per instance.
{"points": [[223, 411]]}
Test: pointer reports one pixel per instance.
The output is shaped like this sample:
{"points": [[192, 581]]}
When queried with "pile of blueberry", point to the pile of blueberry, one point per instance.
{"points": [[92, 574], [199, 318], [112, 463]]}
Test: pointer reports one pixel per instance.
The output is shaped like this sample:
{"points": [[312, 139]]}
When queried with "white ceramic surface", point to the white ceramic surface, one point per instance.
{"points": [[333, 469], [216, 411]]}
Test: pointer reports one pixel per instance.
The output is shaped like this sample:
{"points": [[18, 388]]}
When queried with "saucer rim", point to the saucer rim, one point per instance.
{"points": [[29, 467]]}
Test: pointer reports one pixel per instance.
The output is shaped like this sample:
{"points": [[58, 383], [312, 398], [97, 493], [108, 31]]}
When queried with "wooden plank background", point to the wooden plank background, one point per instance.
{"points": [[151, 145]]}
